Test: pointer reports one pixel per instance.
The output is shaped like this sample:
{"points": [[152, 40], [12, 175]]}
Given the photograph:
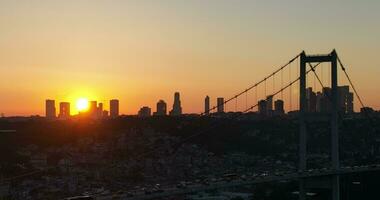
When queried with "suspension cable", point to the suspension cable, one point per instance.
{"points": [[254, 85], [349, 80]]}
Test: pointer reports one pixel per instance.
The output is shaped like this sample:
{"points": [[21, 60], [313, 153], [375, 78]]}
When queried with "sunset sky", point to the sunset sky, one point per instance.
{"points": [[145, 50]]}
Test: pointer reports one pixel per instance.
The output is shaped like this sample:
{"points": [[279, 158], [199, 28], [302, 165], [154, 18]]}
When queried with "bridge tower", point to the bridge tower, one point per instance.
{"points": [[304, 60]]}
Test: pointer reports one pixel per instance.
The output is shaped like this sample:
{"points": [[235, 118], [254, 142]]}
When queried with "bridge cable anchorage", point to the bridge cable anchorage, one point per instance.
{"points": [[349, 80], [256, 84]]}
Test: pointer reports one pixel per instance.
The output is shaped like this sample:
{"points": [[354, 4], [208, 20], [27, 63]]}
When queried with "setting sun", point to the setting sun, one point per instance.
{"points": [[82, 104]]}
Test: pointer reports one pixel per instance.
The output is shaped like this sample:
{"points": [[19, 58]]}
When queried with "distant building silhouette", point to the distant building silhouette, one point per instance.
{"points": [[99, 110], [345, 100], [161, 108], [64, 110], [220, 105], [105, 114], [311, 100], [114, 108], [93, 109], [262, 104], [323, 101], [279, 107], [144, 112], [50, 110], [207, 105], [269, 103], [177, 109]]}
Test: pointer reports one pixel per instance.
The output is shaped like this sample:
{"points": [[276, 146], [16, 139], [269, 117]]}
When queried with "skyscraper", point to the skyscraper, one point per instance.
{"points": [[93, 109], [311, 100], [64, 110], [262, 107], [114, 108], [269, 103], [177, 109], [50, 111], [220, 104], [99, 110], [345, 99], [207, 105], [279, 107], [161, 108], [144, 112]]}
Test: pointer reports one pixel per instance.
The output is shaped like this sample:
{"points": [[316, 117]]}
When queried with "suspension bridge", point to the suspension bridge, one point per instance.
{"points": [[306, 67], [283, 85]]}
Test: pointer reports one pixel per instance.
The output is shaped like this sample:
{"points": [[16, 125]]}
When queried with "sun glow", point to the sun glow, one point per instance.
{"points": [[82, 104]]}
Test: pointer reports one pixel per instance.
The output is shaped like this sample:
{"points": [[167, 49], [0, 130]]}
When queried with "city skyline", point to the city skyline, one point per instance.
{"points": [[98, 50]]}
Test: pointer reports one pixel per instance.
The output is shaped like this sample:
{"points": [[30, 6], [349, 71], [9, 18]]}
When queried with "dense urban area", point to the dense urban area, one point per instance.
{"points": [[130, 155]]}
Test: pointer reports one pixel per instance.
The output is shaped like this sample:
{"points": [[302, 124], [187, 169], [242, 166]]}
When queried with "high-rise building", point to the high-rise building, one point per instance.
{"points": [[99, 110], [114, 108], [262, 107], [64, 110], [311, 100], [220, 105], [105, 113], [177, 109], [161, 108], [50, 111], [279, 107], [207, 105], [93, 109], [345, 100], [269, 103], [323, 100], [144, 112]]}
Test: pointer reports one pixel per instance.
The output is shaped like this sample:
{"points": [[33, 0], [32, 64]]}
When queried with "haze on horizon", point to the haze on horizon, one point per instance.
{"points": [[142, 51]]}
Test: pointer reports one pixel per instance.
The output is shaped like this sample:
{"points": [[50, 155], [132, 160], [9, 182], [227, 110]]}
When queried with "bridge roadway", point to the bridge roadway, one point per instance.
{"points": [[173, 191]]}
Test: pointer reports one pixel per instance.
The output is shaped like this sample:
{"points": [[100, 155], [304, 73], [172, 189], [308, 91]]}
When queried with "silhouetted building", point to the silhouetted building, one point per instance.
{"points": [[262, 107], [220, 105], [99, 110], [161, 108], [177, 109], [207, 105], [311, 100], [345, 100], [323, 100], [269, 103], [93, 109], [279, 107], [144, 112], [114, 108], [64, 110], [366, 110], [105, 113], [50, 110]]}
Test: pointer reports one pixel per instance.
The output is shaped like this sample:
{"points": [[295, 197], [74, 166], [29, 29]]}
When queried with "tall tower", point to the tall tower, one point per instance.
{"points": [[50, 111], [177, 109], [207, 105], [332, 108], [114, 108], [220, 104], [93, 109], [64, 110], [161, 108]]}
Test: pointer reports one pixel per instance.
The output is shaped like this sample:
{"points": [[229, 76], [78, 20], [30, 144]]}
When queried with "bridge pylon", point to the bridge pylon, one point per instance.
{"points": [[304, 60]]}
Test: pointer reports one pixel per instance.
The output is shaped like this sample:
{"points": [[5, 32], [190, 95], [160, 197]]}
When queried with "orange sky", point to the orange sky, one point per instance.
{"points": [[141, 51]]}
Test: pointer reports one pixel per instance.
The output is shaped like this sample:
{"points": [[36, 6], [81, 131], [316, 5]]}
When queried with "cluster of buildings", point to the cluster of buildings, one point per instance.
{"points": [[94, 111], [161, 108], [317, 102]]}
